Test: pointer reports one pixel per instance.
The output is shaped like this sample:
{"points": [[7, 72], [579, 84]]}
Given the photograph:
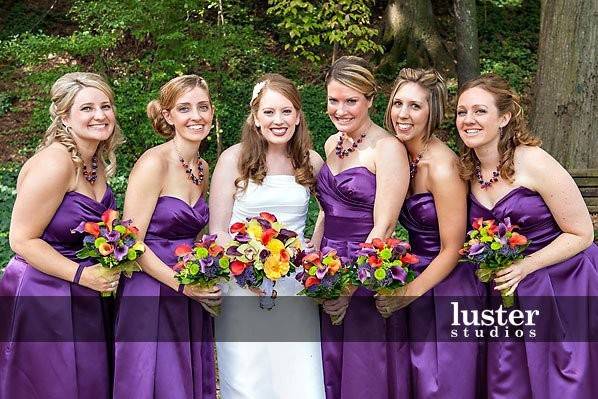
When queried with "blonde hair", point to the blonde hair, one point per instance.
{"points": [[169, 93], [433, 82], [515, 133], [353, 72], [252, 160], [63, 94]]}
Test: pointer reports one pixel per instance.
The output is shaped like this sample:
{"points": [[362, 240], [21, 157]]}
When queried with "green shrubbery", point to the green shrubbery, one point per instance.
{"points": [[139, 46]]}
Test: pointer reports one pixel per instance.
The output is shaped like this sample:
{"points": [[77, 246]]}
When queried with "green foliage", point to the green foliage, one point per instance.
{"points": [[509, 35], [8, 182], [6, 100], [342, 23]]}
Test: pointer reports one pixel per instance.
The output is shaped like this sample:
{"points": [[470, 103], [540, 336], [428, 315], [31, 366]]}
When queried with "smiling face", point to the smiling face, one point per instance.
{"points": [[478, 119], [91, 117], [347, 108], [191, 115], [410, 111], [276, 117]]}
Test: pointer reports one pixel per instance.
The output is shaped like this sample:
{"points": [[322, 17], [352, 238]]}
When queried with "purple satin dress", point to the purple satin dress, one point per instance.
{"points": [[53, 340], [364, 356], [164, 340], [433, 356], [563, 368]]}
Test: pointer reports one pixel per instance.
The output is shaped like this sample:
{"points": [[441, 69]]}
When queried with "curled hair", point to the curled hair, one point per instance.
{"points": [[63, 94], [169, 93], [353, 72], [515, 133], [254, 147], [430, 80]]}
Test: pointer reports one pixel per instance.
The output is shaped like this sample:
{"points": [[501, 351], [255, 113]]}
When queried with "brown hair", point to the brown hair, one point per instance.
{"points": [[515, 133], [63, 94], [433, 82], [353, 72], [169, 93], [252, 161]]}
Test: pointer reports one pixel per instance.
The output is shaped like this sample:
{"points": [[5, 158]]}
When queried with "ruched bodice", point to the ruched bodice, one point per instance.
{"points": [[419, 217], [75, 208], [526, 209], [175, 222], [348, 203]]}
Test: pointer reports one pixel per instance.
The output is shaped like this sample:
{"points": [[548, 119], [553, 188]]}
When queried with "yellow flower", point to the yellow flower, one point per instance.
{"points": [[275, 246], [274, 268], [254, 229]]}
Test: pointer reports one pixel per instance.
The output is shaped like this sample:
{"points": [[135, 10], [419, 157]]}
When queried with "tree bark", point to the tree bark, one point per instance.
{"points": [[410, 35], [466, 27], [566, 89]]}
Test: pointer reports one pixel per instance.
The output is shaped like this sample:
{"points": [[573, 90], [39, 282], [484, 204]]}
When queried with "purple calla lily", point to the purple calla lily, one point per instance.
{"points": [[476, 249], [113, 236], [120, 252], [398, 273], [363, 274], [79, 229], [321, 272]]}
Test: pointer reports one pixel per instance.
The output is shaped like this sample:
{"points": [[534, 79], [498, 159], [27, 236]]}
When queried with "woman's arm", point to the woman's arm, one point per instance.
{"points": [[222, 192], [144, 188], [41, 189], [542, 173], [392, 183], [316, 239]]}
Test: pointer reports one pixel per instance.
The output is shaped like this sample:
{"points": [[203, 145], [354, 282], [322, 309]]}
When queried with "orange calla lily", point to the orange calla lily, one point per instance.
{"points": [[92, 228], [108, 217], [183, 250]]}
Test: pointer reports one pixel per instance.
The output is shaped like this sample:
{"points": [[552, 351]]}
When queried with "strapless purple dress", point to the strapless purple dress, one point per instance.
{"points": [[561, 368], [364, 356], [53, 341], [433, 370], [164, 340]]}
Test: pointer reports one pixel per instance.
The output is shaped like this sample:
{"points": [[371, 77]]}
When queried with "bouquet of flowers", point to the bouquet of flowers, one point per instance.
{"points": [[383, 266], [203, 264], [112, 242], [325, 275], [261, 252], [493, 247]]}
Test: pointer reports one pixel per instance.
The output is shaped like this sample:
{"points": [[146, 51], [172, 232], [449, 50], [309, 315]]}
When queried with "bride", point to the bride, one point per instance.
{"points": [[262, 353]]}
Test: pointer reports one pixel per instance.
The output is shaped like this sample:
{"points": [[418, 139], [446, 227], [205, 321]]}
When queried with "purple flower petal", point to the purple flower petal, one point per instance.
{"points": [[233, 251], [476, 249], [285, 234], [321, 272], [398, 273], [242, 238], [89, 239], [205, 263], [363, 274], [79, 229], [113, 236], [208, 239], [502, 229], [120, 252]]}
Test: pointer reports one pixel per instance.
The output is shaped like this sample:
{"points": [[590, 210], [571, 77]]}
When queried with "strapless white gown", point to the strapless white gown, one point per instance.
{"points": [[262, 369]]}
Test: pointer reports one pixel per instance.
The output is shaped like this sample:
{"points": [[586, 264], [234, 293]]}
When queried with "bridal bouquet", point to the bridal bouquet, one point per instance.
{"points": [[112, 242], [203, 264], [325, 275], [384, 266], [493, 247], [261, 252]]}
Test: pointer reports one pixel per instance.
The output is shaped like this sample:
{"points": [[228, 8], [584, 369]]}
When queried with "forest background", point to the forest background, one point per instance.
{"points": [[545, 49]]}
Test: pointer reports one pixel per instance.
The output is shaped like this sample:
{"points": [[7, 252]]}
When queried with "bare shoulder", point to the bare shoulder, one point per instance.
{"points": [[52, 164], [443, 161], [386, 142], [331, 142], [230, 157], [152, 162], [316, 160], [534, 160]]}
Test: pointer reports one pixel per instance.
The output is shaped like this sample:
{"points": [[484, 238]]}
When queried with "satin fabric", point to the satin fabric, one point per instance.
{"points": [[378, 366], [56, 343], [433, 370], [250, 364], [164, 341], [545, 370]]}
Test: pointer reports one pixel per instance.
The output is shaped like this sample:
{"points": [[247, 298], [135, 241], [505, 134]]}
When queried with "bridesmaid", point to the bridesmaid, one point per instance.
{"points": [[361, 190], [165, 342], [511, 176], [50, 299], [435, 216]]}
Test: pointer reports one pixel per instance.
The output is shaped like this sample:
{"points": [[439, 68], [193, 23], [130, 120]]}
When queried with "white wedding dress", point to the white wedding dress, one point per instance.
{"points": [[270, 354]]}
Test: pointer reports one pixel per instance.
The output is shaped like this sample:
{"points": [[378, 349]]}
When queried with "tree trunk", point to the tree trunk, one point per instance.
{"points": [[566, 90], [466, 27], [410, 35]]}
